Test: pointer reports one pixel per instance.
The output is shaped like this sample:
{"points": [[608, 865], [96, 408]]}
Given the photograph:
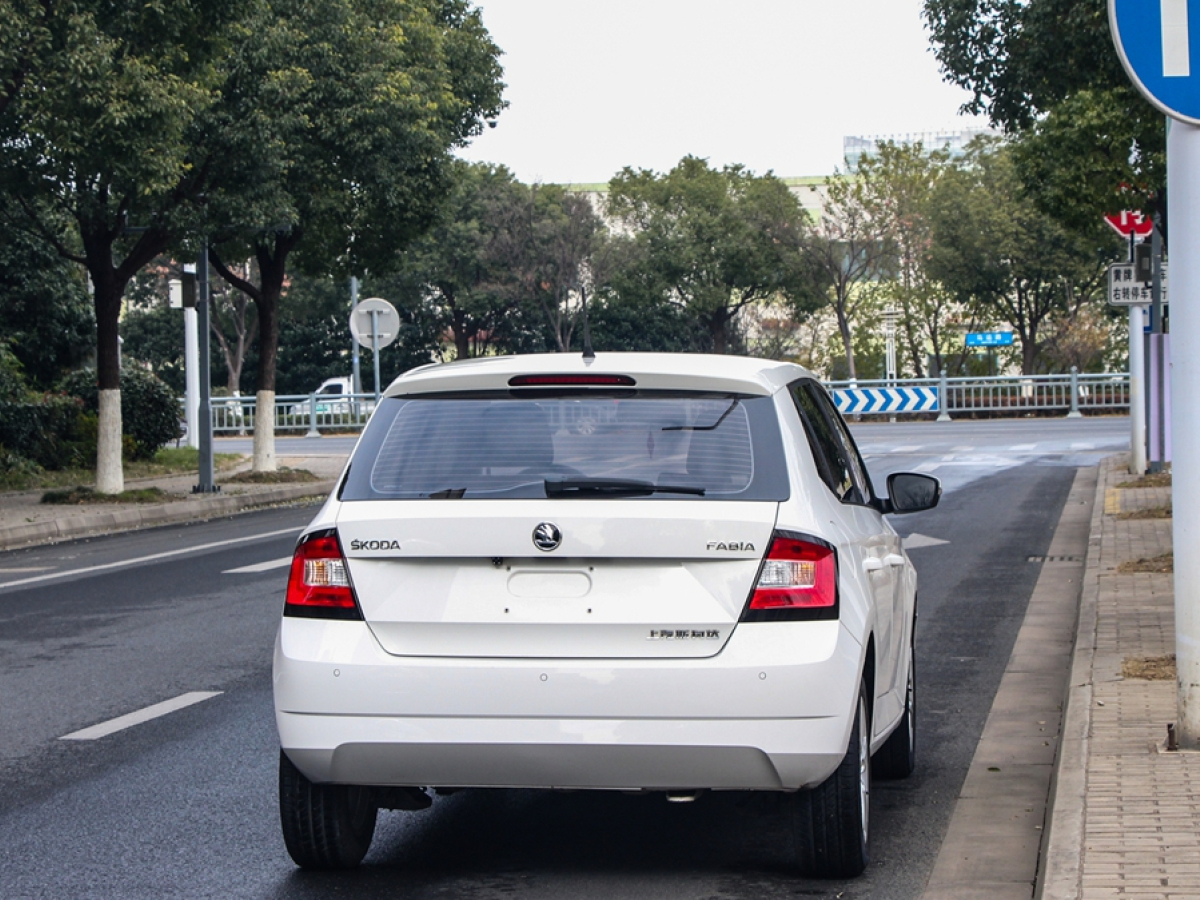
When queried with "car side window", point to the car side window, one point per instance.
{"points": [[858, 468], [837, 461]]}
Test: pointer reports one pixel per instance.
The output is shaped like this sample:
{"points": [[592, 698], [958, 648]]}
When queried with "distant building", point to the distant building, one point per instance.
{"points": [[854, 147]]}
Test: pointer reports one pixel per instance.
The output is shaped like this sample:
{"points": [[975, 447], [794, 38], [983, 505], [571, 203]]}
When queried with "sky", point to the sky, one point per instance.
{"points": [[771, 84]]}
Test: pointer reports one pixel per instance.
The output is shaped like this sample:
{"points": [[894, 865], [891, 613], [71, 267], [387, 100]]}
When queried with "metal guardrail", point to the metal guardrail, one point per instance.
{"points": [[1073, 394], [295, 413]]}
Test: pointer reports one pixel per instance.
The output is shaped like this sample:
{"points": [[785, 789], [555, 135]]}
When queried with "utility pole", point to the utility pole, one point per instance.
{"points": [[206, 485], [356, 380], [1137, 390], [1183, 178]]}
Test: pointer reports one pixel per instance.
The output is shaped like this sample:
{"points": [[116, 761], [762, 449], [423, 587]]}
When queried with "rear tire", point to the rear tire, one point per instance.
{"points": [[897, 758], [325, 826], [832, 820]]}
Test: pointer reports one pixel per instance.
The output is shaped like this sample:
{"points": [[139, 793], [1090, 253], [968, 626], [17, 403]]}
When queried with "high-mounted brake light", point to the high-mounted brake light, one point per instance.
{"points": [[798, 580], [319, 583], [571, 381]]}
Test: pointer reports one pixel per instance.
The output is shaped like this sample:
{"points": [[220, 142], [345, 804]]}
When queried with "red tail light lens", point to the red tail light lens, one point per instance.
{"points": [[798, 580], [319, 583]]}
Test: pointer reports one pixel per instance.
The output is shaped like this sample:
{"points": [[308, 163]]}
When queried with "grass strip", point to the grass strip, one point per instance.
{"points": [[283, 475], [1159, 565], [1153, 512], [80, 495]]}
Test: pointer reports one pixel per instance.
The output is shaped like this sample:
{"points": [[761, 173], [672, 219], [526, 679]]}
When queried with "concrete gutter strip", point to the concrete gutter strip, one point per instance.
{"points": [[107, 522], [1060, 875]]}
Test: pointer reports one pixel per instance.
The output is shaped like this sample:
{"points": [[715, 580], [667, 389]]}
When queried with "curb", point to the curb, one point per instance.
{"points": [[15, 536], [1062, 862]]}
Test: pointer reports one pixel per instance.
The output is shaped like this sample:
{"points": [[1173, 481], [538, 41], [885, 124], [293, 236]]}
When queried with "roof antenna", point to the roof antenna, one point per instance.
{"points": [[588, 352]]}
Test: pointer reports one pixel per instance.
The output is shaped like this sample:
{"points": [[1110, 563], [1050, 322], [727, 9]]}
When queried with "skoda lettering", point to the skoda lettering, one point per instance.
{"points": [[374, 545]]}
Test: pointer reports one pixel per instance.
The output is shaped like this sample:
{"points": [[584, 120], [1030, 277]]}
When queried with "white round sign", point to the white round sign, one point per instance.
{"points": [[386, 322]]}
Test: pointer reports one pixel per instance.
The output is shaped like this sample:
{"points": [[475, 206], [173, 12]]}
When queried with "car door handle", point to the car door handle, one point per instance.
{"points": [[894, 559], [873, 564]]}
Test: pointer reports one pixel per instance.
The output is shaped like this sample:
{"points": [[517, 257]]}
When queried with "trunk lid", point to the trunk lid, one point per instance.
{"points": [[629, 578]]}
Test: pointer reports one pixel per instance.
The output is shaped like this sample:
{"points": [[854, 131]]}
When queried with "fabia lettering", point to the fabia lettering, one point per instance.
{"points": [[732, 546]]}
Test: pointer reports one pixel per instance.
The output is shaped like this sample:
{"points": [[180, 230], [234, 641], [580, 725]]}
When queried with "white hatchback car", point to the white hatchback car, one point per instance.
{"points": [[634, 572]]}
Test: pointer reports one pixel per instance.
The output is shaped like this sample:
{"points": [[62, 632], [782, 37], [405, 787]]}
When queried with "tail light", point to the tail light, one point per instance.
{"points": [[319, 583], [797, 580]]}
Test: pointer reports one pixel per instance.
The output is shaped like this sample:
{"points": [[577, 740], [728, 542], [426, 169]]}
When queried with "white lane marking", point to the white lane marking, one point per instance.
{"points": [[167, 554], [22, 571], [913, 541], [961, 449], [927, 467], [1083, 446], [260, 567], [1019, 448], [1176, 43], [905, 449], [120, 723]]}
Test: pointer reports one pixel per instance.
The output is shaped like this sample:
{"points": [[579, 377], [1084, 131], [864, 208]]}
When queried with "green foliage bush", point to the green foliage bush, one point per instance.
{"points": [[46, 430], [12, 382], [149, 408], [14, 467]]}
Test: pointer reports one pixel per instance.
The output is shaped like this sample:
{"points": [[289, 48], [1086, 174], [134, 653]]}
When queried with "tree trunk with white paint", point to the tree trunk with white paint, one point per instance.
{"points": [[110, 477], [271, 258], [264, 432]]}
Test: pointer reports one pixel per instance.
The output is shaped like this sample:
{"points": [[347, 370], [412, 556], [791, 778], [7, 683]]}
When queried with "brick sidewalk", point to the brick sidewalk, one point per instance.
{"points": [[1126, 819]]}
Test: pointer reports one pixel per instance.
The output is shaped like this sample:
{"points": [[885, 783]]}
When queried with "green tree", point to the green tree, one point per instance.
{"points": [[996, 251], [315, 342], [154, 336], [24, 41], [453, 270], [335, 122], [546, 244], [850, 250], [714, 241], [897, 183], [1046, 71], [45, 313], [98, 104]]}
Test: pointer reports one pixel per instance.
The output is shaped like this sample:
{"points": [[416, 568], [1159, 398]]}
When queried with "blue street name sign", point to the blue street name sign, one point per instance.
{"points": [[990, 339], [864, 401], [1154, 39]]}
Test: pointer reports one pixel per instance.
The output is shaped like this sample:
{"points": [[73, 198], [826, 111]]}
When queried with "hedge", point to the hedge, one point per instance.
{"points": [[149, 408], [47, 431]]}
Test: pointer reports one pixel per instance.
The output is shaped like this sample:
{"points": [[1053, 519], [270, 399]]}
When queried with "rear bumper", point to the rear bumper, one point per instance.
{"points": [[772, 711]]}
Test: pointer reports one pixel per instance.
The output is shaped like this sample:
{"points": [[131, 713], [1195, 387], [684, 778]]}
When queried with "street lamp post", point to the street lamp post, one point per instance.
{"points": [[890, 315]]}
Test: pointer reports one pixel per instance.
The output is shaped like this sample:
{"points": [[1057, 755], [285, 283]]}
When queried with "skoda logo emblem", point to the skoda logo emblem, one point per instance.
{"points": [[547, 537]]}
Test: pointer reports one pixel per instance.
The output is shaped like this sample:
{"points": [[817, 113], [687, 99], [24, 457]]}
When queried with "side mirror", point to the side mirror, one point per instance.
{"points": [[909, 492]]}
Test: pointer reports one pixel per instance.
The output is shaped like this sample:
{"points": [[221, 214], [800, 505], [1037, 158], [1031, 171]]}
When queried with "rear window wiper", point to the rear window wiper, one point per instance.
{"points": [[448, 494], [614, 486]]}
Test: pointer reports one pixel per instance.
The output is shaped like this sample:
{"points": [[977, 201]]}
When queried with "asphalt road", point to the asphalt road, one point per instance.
{"points": [[184, 804]]}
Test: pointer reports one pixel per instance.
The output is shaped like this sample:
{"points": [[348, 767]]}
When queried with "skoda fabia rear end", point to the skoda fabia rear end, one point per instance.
{"points": [[636, 573]]}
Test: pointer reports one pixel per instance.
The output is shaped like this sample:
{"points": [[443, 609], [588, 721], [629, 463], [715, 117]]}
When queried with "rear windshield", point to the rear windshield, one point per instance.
{"points": [[640, 445]]}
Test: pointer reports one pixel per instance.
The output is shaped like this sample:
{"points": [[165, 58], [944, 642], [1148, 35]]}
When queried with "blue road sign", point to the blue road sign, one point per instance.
{"points": [[990, 339], [1154, 41], [863, 401]]}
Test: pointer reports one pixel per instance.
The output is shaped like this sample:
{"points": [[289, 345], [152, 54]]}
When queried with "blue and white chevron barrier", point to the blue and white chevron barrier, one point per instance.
{"points": [[864, 401]]}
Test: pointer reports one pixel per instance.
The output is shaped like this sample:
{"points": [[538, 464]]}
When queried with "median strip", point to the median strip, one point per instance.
{"points": [[139, 716]]}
